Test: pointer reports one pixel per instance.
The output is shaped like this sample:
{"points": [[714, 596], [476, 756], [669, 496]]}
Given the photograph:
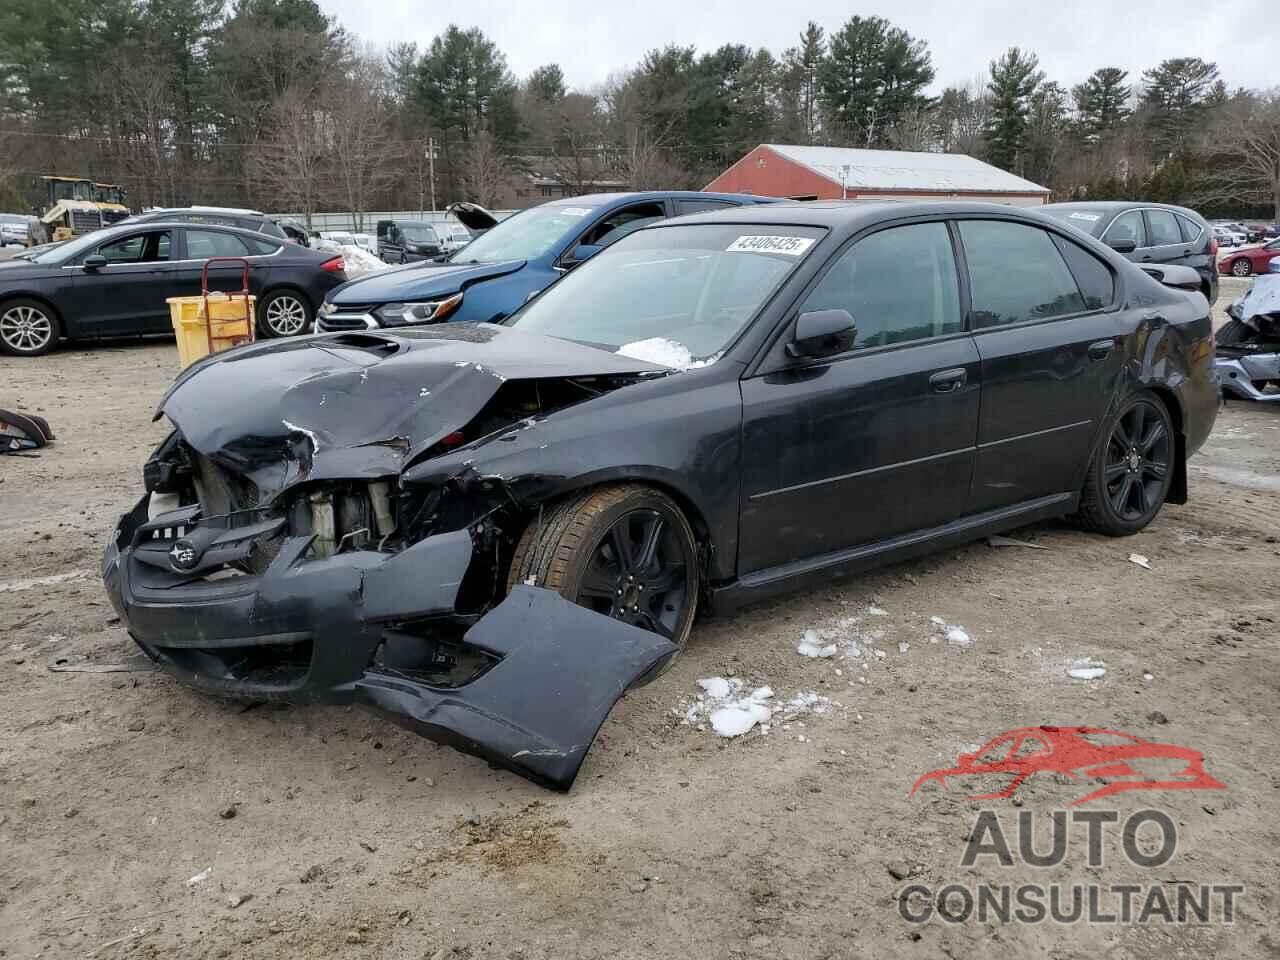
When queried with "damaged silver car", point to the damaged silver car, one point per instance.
{"points": [[1247, 364]]}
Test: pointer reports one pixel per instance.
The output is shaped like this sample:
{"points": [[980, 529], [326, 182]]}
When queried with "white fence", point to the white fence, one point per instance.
{"points": [[347, 221]]}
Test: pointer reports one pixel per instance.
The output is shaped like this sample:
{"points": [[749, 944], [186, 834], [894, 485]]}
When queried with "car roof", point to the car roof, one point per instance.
{"points": [[1119, 206], [122, 228], [232, 211], [606, 199], [851, 214]]}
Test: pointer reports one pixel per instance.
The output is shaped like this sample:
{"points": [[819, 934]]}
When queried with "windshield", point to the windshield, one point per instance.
{"points": [[1090, 221], [417, 232], [677, 295], [526, 235]]}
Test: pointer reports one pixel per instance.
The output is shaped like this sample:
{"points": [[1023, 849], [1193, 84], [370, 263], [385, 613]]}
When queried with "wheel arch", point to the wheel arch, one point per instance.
{"points": [[1169, 397], [658, 480]]}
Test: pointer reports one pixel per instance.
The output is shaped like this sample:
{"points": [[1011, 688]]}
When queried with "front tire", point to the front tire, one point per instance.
{"points": [[284, 313], [28, 328], [624, 551], [1132, 469], [1241, 267]]}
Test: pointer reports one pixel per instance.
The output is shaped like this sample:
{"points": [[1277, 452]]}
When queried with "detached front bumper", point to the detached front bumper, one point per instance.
{"points": [[312, 630], [1240, 374]]}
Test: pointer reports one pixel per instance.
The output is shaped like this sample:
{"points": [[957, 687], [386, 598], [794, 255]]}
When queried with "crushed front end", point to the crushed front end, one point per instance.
{"points": [[290, 563], [1247, 361]]}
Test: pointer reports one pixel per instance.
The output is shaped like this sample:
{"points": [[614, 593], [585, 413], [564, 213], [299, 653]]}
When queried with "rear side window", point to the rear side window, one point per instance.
{"points": [[899, 284], [701, 206], [261, 247], [1128, 226], [1163, 228], [1094, 278], [1016, 273], [202, 244], [1190, 229], [272, 229]]}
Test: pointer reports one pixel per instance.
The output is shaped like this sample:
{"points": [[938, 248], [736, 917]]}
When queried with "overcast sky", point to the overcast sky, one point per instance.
{"points": [[1072, 37]]}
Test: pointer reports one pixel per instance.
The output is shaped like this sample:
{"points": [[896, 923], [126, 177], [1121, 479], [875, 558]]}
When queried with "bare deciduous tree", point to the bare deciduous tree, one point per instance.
{"points": [[292, 163], [485, 169], [363, 155], [1247, 143]]}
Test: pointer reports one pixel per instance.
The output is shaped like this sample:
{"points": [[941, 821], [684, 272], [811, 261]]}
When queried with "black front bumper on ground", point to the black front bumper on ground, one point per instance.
{"points": [[309, 630]]}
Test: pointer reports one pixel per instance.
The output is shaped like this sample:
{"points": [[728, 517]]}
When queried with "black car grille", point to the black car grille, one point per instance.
{"points": [[343, 322]]}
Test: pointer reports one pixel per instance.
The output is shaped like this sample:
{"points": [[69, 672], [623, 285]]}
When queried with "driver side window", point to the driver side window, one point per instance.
{"points": [[898, 285], [621, 222]]}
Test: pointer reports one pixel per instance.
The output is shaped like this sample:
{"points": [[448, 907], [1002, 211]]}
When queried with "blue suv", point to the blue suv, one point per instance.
{"points": [[496, 273]]}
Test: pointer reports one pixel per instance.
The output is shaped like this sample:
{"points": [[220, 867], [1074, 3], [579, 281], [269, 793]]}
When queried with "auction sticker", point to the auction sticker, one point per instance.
{"points": [[1090, 217], [790, 246], [574, 211]]}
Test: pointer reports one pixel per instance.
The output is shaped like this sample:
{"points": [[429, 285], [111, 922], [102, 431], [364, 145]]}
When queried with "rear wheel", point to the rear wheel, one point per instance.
{"points": [[1241, 267], [1131, 471], [626, 552], [284, 313], [28, 328]]}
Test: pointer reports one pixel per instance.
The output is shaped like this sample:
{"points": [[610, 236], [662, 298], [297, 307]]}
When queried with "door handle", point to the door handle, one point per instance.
{"points": [[1100, 349], [948, 381], [1147, 259]]}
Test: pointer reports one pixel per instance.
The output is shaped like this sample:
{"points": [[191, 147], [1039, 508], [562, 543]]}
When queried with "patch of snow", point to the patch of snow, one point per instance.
{"points": [[874, 611], [950, 632], [736, 718], [667, 353], [356, 261], [200, 877], [718, 688], [1088, 670], [1140, 560], [803, 703], [811, 645]]}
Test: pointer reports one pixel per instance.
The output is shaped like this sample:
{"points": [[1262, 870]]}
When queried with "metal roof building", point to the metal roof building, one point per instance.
{"points": [[834, 173]]}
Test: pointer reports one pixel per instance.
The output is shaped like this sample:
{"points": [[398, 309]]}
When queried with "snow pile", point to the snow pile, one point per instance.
{"points": [[1087, 670], [666, 352], [732, 710], [952, 633], [358, 260], [811, 645], [845, 637]]}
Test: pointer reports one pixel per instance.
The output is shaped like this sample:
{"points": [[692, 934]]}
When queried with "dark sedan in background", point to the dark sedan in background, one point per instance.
{"points": [[1148, 233], [503, 527], [115, 282]]}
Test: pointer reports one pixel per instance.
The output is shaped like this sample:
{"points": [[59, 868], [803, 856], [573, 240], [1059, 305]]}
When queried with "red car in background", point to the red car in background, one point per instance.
{"points": [[1247, 260]]}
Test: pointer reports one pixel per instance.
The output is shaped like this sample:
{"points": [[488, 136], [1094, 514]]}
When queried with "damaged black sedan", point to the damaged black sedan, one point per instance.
{"points": [[491, 532]]}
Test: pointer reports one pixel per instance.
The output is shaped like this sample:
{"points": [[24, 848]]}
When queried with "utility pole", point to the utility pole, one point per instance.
{"points": [[431, 158]]}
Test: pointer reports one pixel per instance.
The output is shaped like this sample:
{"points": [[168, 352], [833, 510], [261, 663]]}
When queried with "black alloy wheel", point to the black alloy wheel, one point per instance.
{"points": [[1130, 474], [638, 573]]}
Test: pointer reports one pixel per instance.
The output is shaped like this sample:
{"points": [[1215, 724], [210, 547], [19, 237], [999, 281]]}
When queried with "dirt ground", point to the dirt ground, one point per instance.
{"points": [[141, 819]]}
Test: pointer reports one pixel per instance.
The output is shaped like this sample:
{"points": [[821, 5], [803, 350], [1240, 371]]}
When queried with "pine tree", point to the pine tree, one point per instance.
{"points": [[1102, 102], [1014, 79]]}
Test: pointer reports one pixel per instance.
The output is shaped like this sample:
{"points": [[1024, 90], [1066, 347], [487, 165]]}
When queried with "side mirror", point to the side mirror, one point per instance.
{"points": [[583, 251], [1123, 244], [95, 261], [822, 333]]}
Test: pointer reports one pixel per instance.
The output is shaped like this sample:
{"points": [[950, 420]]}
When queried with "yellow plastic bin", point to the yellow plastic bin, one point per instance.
{"points": [[198, 338]]}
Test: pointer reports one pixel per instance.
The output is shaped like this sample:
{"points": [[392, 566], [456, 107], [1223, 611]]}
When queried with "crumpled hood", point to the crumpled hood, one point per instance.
{"points": [[419, 281], [359, 405]]}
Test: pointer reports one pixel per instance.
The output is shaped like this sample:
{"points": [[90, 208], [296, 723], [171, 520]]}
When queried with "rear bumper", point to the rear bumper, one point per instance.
{"points": [[319, 630]]}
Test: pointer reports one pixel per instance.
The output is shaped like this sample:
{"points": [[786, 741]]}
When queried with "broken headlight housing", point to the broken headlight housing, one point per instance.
{"points": [[430, 311]]}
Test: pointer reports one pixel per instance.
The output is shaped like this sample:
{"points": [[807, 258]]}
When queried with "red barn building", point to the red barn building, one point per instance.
{"points": [[834, 173]]}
